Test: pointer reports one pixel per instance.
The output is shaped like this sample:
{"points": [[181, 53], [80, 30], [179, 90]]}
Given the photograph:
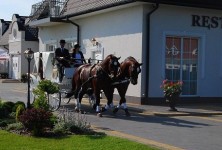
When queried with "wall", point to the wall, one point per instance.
{"points": [[177, 20], [122, 38]]}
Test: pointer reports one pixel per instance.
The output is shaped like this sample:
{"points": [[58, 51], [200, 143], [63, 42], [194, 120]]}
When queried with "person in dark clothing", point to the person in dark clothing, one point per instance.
{"points": [[77, 56], [63, 57]]}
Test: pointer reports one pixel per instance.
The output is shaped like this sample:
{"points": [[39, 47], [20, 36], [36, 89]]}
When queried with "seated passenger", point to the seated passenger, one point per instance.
{"points": [[63, 57], [77, 55]]}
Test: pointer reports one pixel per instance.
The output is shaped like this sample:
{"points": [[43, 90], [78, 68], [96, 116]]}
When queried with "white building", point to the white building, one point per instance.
{"points": [[174, 40], [21, 37]]}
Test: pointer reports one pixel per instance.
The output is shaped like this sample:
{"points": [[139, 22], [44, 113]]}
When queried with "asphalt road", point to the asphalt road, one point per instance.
{"points": [[175, 132]]}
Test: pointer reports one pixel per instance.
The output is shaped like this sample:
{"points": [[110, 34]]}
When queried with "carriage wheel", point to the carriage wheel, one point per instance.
{"points": [[32, 95], [55, 101], [63, 98]]}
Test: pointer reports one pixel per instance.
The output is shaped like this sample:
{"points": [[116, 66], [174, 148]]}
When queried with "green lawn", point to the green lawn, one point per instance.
{"points": [[10, 141]]}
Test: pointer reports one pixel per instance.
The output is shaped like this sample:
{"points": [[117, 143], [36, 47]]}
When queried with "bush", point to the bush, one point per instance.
{"points": [[17, 104], [4, 112], [15, 126], [72, 122], [35, 120], [20, 109], [48, 87], [9, 106], [41, 102], [3, 124], [24, 78]]}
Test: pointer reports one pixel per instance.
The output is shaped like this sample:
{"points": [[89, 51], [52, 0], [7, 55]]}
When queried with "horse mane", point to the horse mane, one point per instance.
{"points": [[130, 58]]}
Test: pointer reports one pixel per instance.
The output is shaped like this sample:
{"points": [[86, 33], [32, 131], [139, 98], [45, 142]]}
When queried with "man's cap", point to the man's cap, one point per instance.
{"points": [[77, 46], [62, 41]]}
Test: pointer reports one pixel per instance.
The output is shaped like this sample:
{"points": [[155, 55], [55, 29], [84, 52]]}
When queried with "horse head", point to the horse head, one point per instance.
{"points": [[111, 65], [133, 69]]}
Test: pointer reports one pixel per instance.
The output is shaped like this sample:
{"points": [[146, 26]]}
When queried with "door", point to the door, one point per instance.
{"points": [[15, 66], [181, 62]]}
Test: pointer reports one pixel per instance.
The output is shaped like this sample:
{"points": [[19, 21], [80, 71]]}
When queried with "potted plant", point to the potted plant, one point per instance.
{"points": [[24, 78], [172, 91]]}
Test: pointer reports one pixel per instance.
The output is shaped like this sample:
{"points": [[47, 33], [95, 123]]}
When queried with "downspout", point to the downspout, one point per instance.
{"points": [[146, 97], [78, 29]]}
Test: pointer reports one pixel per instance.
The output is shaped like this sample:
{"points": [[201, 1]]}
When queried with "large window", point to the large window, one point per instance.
{"points": [[181, 57]]}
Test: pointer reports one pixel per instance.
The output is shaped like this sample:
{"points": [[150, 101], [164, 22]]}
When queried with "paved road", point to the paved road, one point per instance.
{"points": [[151, 124]]}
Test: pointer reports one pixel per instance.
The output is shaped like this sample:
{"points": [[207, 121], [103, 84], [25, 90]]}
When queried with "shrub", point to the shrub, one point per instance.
{"points": [[41, 102], [48, 87], [9, 105], [3, 124], [15, 126], [4, 112], [17, 104], [72, 122], [35, 120], [20, 109], [24, 78]]}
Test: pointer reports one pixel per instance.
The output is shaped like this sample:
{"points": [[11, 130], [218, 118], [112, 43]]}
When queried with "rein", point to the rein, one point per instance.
{"points": [[121, 82]]}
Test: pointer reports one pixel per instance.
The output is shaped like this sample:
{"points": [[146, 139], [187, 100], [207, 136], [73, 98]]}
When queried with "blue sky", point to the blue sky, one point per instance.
{"points": [[21, 7]]}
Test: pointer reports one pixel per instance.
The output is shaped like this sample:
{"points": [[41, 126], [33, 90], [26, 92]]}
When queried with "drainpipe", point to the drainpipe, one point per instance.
{"points": [[78, 29], [147, 70]]}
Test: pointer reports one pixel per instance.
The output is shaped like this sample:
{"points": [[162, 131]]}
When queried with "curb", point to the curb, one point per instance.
{"points": [[165, 114], [10, 81]]}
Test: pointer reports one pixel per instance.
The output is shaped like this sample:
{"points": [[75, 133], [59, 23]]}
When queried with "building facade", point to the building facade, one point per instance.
{"points": [[21, 37], [173, 40]]}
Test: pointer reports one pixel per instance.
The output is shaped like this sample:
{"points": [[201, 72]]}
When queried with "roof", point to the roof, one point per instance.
{"points": [[79, 7], [5, 38], [212, 4]]}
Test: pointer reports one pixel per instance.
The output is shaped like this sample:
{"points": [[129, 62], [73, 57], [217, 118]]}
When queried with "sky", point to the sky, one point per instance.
{"points": [[20, 7]]}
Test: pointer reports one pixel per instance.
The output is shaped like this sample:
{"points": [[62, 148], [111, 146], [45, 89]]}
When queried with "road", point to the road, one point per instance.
{"points": [[166, 132]]}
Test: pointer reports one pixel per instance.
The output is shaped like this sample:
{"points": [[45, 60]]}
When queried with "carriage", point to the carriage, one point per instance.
{"points": [[97, 77], [45, 67]]}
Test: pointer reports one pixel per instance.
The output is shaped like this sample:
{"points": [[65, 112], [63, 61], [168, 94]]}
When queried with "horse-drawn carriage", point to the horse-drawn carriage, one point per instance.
{"points": [[46, 67], [87, 79]]}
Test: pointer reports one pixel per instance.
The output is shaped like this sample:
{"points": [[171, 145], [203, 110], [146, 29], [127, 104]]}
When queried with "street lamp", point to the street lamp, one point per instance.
{"points": [[29, 54]]}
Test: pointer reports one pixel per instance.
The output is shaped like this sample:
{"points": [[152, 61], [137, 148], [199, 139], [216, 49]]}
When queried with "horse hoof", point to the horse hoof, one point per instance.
{"points": [[115, 110], [99, 114], [103, 109]]}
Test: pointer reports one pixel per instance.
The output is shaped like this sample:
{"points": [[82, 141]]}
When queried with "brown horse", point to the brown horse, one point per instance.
{"points": [[128, 73], [96, 78]]}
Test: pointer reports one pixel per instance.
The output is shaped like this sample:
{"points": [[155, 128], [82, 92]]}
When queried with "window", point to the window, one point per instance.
{"points": [[181, 62], [50, 47]]}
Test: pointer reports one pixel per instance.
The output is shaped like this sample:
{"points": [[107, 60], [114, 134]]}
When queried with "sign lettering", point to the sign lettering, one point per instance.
{"points": [[206, 21]]}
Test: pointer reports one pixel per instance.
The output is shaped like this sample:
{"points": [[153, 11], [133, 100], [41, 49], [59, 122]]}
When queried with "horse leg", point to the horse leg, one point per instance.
{"points": [[109, 95], [122, 103], [97, 95]]}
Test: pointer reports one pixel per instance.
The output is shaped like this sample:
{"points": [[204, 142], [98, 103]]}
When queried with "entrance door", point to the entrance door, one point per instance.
{"points": [[181, 57], [15, 67]]}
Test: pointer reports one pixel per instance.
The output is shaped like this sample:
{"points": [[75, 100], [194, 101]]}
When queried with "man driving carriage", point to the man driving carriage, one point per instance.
{"points": [[63, 57]]}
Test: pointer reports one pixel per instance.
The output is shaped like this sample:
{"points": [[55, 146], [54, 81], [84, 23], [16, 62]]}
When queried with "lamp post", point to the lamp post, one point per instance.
{"points": [[29, 56]]}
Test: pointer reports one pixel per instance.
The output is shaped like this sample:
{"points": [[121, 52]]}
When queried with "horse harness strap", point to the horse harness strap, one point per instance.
{"points": [[100, 74], [126, 80]]}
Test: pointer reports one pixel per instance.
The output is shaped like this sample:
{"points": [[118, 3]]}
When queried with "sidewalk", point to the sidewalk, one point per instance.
{"points": [[197, 109], [206, 109]]}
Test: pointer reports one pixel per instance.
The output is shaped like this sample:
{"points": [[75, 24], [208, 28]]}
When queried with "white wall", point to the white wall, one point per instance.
{"points": [[119, 32]]}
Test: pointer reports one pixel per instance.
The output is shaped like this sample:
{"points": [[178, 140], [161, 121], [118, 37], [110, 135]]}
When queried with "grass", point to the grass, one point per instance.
{"points": [[10, 141]]}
